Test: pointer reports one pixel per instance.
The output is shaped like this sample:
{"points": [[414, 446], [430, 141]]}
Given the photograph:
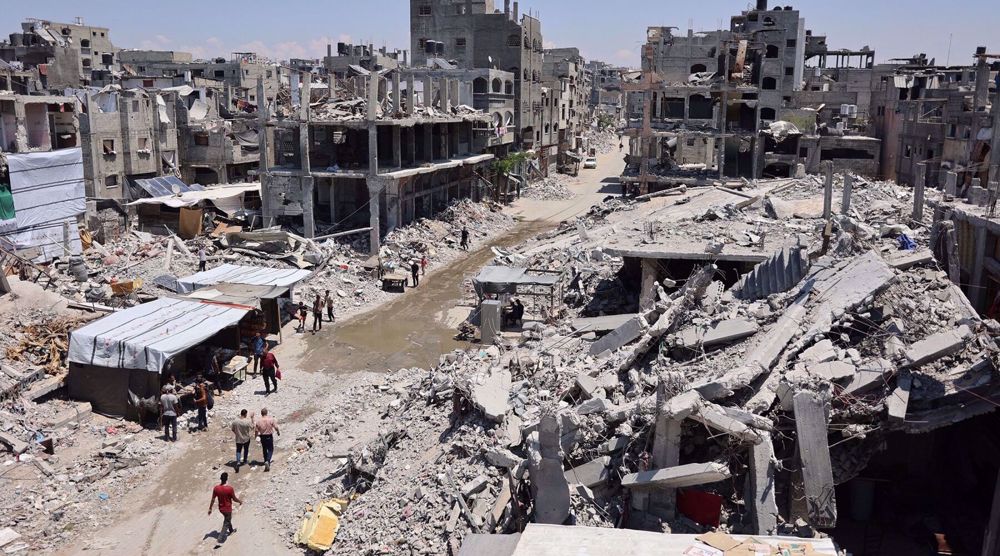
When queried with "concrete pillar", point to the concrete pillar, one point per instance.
{"points": [[305, 117], [647, 292], [443, 150], [374, 208], [845, 202], [428, 142], [333, 200], [262, 173], [21, 135], [456, 130], [397, 148], [951, 185], [444, 85], [392, 205], [428, 91], [409, 94], [977, 284], [456, 97], [397, 102], [918, 193], [828, 191], [982, 93]]}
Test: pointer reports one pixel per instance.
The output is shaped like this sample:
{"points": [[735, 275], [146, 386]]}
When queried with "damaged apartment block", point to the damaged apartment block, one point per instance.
{"points": [[371, 151]]}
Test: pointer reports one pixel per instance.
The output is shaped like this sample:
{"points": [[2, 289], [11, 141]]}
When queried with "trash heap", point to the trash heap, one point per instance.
{"points": [[704, 407]]}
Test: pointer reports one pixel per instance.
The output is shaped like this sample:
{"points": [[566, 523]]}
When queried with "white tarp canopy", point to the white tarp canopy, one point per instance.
{"points": [[227, 198], [147, 335], [48, 194], [235, 274]]}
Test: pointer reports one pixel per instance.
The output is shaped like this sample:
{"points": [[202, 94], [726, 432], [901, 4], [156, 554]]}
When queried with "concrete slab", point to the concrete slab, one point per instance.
{"points": [[936, 346], [600, 324], [897, 402], [679, 476], [625, 333], [814, 452], [720, 333], [832, 370], [761, 500], [491, 395], [588, 386], [869, 376], [489, 545], [595, 405], [591, 474]]}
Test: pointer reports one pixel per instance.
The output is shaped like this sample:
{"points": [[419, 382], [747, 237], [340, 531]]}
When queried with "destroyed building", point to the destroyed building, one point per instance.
{"points": [[127, 136], [938, 118], [568, 81], [64, 55], [352, 58], [606, 95], [243, 71], [381, 160], [473, 34], [217, 142]]}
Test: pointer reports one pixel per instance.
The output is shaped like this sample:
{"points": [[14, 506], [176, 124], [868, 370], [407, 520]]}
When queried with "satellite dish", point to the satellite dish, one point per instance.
{"points": [[175, 188]]}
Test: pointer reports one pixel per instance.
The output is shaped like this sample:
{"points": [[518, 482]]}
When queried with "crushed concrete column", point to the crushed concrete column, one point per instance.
{"points": [[397, 101], [666, 450], [845, 202], [428, 91], [761, 487], [409, 94], [647, 288], [951, 184], [918, 192], [811, 423], [828, 191], [549, 488]]}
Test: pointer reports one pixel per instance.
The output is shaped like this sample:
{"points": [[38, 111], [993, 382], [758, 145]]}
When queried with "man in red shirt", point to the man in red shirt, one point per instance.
{"points": [[269, 364], [226, 495]]}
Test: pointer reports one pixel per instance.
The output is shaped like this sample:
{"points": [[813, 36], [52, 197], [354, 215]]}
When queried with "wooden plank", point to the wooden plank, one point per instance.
{"points": [[814, 452]]}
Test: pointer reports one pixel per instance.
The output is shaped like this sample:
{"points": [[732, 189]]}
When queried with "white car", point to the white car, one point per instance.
{"points": [[590, 163]]}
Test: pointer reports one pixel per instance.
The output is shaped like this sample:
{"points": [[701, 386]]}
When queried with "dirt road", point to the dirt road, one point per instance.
{"points": [[167, 514]]}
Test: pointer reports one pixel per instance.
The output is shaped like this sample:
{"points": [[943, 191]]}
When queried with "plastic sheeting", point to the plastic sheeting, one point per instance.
{"points": [[147, 336], [235, 274], [48, 193], [505, 279], [227, 198], [161, 108]]}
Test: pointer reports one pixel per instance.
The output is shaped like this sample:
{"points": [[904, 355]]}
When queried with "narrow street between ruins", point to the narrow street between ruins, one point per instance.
{"points": [[164, 512]]}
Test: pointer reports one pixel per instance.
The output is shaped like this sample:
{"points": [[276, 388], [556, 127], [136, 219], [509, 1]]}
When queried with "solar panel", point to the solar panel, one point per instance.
{"points": [[163, 186]]}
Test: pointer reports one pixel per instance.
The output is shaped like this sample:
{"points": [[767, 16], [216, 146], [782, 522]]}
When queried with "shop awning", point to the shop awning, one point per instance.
{"points": [[147, 335]]}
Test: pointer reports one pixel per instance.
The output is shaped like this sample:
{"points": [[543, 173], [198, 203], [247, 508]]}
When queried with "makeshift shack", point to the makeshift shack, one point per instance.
{"points": [[248, 275], [496, 282], [183, 211], [130, 350]]}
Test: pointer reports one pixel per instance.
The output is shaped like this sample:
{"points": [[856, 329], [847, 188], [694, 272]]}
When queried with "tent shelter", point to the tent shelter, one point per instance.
{"points": [[129, 350], [249, 275], [495, 281], [269, 299]]}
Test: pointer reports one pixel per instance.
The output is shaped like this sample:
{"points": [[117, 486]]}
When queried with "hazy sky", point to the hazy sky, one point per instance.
{"points": [[609, 31]]}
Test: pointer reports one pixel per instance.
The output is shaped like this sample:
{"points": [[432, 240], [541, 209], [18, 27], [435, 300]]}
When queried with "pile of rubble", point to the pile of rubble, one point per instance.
{"points": [[552, 188], [707, 394]]}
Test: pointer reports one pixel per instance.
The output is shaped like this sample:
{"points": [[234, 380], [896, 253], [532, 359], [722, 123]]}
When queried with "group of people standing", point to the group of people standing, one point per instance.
{"points": [[319, 303]]}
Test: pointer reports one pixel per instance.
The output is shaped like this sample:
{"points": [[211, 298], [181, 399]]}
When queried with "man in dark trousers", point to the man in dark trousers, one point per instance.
{"points": [[465, 238], [328, 301], [270, 366], [257, 348], [415, 273], [317, 313], [201, 402], [169, 403], [226, 496]]}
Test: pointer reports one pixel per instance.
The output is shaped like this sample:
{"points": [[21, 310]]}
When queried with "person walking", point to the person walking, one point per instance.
{"points": [[168, 412], [317, 313], [243, 433], [380, 269], [329, 306], [265, 428], [226, 495], [270, 368], [201, 402], [257, 344], [415, 273], [465, 238], [202, 259], [302, 316], [423, 265]]}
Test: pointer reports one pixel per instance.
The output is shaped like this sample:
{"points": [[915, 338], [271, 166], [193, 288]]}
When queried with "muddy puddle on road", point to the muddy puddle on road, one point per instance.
{"points": [[410, 331]]}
